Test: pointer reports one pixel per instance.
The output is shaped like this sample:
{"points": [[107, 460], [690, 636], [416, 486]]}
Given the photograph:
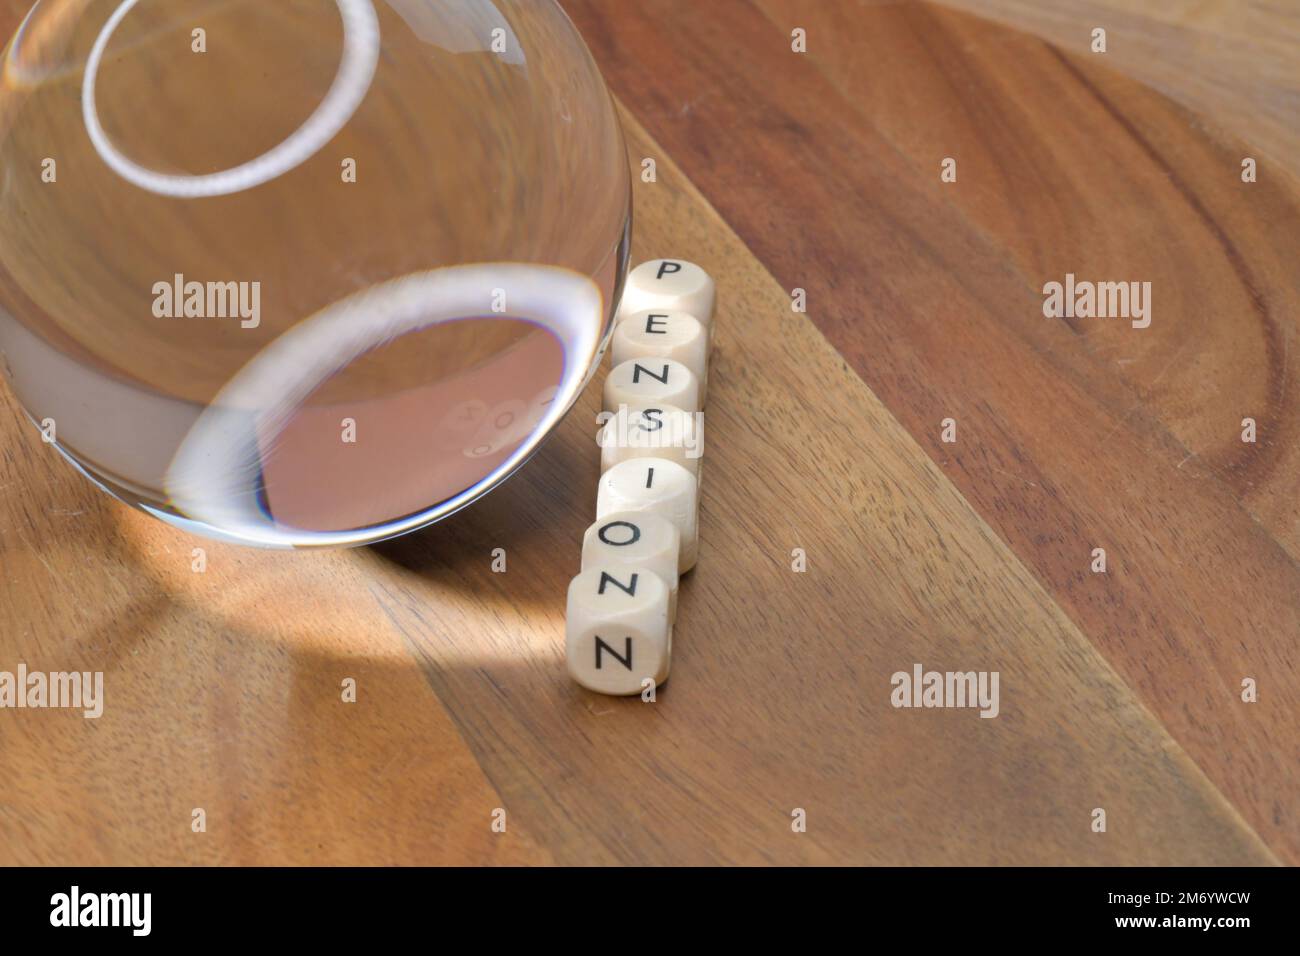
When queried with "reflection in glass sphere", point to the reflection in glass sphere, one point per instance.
{"points": [[304, 272]]}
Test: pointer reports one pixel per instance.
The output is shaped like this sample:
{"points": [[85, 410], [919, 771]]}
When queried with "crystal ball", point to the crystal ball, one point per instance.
{"points": [[304, 272]]}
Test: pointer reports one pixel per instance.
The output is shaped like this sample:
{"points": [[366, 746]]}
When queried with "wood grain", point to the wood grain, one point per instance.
{"points": [[1229, 61], [223, 688], [1074, 435]]}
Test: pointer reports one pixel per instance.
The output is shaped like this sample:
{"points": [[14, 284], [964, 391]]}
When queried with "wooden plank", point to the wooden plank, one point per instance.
{"points": [[1070, 436], [223, 691], [779, 696]]}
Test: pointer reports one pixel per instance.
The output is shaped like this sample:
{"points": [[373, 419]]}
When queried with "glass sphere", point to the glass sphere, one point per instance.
{"points": [[304, 272]]}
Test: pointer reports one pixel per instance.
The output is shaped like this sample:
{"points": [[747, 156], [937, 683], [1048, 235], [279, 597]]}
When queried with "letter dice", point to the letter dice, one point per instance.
{"points": [[635, 541], [659, 486], [664, 284], [617, 629]]}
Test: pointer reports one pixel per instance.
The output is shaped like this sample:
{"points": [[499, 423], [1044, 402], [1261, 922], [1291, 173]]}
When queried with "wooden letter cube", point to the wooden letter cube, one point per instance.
{"points": [[652, 431], [652, 381], [636, 541], [668, 284], [617, 629], [659, 486]]}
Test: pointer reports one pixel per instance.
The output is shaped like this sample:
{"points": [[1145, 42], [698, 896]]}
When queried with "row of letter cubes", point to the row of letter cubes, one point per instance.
{"points": [[623, 605]]}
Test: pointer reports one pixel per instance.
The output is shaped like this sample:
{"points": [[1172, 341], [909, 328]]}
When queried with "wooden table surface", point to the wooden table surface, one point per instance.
{"points": [[777, 170]]}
